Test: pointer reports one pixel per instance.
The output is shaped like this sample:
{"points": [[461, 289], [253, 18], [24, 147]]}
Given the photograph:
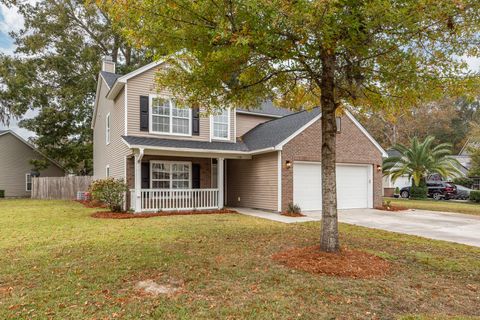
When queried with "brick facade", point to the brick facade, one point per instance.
{"points": [[352, 147]]}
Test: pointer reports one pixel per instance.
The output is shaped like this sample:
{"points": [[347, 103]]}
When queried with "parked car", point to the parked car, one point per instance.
{"points": [[463, 193], [436, 189]]}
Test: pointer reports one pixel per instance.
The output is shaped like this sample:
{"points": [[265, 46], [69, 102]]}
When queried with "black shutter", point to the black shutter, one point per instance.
{"points": [[195, 176], [143, 113], [195, 122], [145, 175]]}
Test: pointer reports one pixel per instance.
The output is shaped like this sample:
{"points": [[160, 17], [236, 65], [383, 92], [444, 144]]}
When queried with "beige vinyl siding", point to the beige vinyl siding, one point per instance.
{"points": [[114, 153], [246, 122], [15, 158], [254, 181], [143, 85]]}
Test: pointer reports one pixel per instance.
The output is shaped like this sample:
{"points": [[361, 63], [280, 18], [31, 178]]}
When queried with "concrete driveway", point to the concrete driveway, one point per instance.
{"points": [[453, 227]]}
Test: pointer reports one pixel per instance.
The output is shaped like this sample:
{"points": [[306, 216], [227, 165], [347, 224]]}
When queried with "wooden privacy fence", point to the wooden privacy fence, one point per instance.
{"points": [[61, 188]]}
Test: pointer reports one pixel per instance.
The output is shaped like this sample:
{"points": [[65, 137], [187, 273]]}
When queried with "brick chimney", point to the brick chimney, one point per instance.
{"points": [[108, 65]]}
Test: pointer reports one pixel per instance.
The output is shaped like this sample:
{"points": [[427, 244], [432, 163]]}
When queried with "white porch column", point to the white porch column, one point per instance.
{"points": [[220, 181], [138, 181]]}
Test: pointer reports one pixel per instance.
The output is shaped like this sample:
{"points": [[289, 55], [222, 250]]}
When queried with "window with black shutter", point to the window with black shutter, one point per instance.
{"points": [[195, 122], [195, 176], [144, 113]]}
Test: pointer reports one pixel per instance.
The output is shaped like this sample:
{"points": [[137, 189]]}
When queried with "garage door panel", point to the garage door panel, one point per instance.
{"points": [[352, 186], [307, 186]]}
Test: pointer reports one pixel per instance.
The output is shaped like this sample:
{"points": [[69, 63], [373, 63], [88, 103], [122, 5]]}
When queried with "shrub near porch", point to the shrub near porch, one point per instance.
{"points": [[58, 262]]}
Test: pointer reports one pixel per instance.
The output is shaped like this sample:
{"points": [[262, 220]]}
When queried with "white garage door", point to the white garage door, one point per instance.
{"points": [[352, 186]]}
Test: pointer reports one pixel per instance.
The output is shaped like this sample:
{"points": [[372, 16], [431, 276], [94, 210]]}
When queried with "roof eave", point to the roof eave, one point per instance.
{"points": [[259, 114], [197, 150]]}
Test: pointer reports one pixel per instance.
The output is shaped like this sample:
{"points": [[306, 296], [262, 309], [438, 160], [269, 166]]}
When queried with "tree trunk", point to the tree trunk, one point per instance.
{"points": [[329, 241], [128, 55]]}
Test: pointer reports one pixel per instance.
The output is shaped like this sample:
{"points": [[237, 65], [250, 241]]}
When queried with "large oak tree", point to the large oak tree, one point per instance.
{"points": [[303, 53], [54, 72]]}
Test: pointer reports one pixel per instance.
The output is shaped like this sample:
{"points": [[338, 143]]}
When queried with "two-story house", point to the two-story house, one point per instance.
{"points": [[179, 158]]}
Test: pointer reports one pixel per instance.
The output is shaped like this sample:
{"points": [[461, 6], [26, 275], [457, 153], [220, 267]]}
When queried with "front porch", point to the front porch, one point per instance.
{"points": [[168, 183]]}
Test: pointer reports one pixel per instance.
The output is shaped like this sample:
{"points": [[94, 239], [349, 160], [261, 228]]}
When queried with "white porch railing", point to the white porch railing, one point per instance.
{"points": [[175, 199]]}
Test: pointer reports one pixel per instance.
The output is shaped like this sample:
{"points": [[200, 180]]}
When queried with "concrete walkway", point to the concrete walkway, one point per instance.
{"points": [[453, 227]]}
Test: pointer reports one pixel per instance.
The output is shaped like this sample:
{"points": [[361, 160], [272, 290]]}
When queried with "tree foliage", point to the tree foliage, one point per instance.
{"points": [[54, 71], [448, 120], [421, 159], [380, 55]]}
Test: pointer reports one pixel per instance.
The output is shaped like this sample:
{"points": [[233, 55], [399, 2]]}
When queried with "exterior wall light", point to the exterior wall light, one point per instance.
{"points": [[379, 168], [288, 164]]}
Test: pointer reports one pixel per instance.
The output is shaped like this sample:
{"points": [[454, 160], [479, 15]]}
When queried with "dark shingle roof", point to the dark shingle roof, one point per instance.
{"points": [[184, 144], [266, 135], [393, 153], [271, 133], [110, 77], [268, 109]]}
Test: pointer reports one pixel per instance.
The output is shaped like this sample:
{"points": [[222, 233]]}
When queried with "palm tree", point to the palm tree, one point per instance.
{"points": [[419, 160]]}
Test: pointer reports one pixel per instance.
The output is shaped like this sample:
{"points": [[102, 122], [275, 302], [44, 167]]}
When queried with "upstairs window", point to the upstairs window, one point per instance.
{"points": [[221, 125], [107, 129], [167, 118]]}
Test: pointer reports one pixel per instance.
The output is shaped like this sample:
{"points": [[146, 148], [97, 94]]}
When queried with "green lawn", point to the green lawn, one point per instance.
{"points": [[441, 205], [56, 262]]}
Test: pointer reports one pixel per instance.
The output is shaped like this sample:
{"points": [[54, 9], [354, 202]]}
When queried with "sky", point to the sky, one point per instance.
{"points": [[11, 20]]}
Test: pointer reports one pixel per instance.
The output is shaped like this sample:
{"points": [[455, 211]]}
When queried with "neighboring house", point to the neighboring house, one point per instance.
{"points": [[405, 181], [15, 167], [465, 159], [464, 155], [401, 182], [174, 158]]}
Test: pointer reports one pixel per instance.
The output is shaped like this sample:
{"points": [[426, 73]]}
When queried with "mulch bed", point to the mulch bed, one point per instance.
{"points": [[117, 215], [346, 263], [92, 203], [291, 214], [391, 208]]}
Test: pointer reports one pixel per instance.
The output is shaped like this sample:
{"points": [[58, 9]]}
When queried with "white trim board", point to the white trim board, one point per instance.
{"points": [[279, 181]]}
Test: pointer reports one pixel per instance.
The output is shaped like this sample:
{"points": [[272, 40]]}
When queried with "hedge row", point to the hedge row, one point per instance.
{"points": [[418, 192], [475, 195]]}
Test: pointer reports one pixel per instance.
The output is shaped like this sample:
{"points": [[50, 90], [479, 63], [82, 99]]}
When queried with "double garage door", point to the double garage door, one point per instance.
{"points": [[353, 186]]}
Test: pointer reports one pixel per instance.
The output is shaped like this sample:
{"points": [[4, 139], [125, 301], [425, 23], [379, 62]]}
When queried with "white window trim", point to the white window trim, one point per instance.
{"points": [[107, 171], [26, 182], [170, 133], [172, 162], [212, 131], [213, 178], [107, 129]]}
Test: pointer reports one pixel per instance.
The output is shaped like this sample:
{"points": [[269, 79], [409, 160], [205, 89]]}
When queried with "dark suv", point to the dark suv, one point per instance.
{"points": [[436, 190]]}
